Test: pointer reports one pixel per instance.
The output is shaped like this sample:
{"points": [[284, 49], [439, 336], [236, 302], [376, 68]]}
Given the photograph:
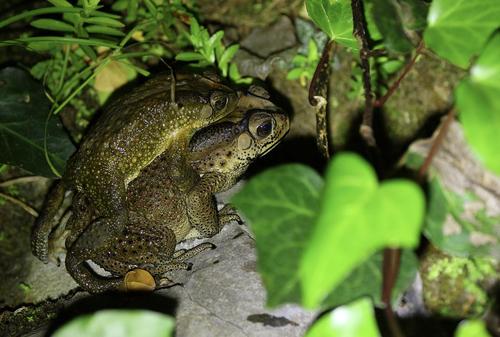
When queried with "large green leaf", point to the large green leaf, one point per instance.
{"points": [[389, 24], [281, 205], [357, 217], [458, 29], [356, 319], [334, 17], [478, 102], [366, 280], [472, 328], [119, 323], [23, 115]]}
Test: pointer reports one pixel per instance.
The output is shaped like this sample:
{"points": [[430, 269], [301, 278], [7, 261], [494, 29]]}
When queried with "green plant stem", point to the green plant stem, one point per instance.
{"points": [[20, 180], [20, 203], [39, 11], [77, 90], [63, 72]]}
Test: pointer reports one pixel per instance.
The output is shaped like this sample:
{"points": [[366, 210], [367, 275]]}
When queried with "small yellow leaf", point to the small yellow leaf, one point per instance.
{"points": [[111, 77], [138, 36]]}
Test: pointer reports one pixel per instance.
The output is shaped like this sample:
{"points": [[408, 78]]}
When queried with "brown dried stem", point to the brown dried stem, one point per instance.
{"points": [[436, 145], [366, 128], [20, 203], [381, 101]]}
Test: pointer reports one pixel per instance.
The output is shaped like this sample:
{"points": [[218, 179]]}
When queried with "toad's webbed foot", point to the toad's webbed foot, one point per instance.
{"points": [[228, 214]]}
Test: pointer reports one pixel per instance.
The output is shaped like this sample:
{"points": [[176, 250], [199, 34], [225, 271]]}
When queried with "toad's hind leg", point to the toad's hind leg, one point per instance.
{"points": [[45, 223]]}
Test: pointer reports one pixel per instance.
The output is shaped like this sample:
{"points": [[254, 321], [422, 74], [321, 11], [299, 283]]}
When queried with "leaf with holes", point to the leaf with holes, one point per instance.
{"points": [[23, 129]]}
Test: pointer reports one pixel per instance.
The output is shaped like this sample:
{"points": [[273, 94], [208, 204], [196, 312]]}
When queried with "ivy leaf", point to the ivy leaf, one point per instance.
{"points": [[357, 217], [280, 205], [366, 280], [355, 319], [334, 17], [458, 29], [472, 328], [123, 323], [389, 25], [23, 113], [479, 105], [463, 216]]}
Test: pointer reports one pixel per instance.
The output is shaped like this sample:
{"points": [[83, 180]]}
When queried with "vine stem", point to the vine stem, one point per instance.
{"points": [[318, 97], [436, 144], [381, 101], [366, 128], [20, 180]]}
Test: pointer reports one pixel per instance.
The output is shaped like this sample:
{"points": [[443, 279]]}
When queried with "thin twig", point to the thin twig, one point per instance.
{"points": [[438, 141], [381, 101], [20, 203], [366, 128], [318, 97], [20, 180]]}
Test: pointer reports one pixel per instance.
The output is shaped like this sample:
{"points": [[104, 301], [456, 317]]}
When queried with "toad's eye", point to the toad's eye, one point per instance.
{"points": [[264, 129], [219, 102]]}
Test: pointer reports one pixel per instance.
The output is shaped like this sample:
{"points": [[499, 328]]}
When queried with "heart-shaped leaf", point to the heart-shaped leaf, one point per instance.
{"points": [[123, 323], [472, 328], [357, 217], [334, 17], [458, 29], [356, 319], [281, 205], [479, 105], [24, 128]]}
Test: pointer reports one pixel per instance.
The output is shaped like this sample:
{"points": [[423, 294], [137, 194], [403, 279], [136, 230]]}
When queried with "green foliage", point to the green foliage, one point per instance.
{"points": [[93, 40], [479, 105], [209, 50], [356, 319], [304, 66], [334, 17], [389, 25], [30, 139], [366, 281], [472, 328], [357, 217], [456, 231], [458, 29], [281, 205], [119, 323]]}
